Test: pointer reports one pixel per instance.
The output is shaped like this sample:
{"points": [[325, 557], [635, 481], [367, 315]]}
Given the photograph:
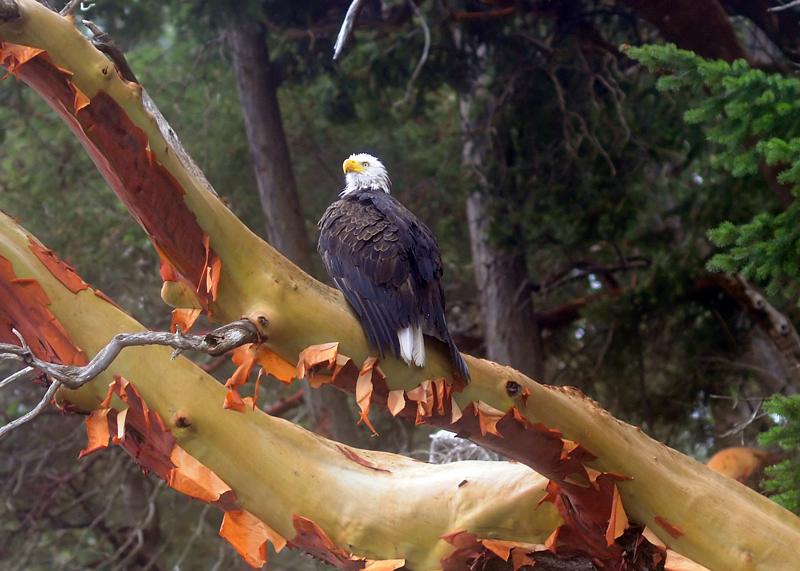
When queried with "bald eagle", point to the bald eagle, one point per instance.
{"points": [[387, 264]]}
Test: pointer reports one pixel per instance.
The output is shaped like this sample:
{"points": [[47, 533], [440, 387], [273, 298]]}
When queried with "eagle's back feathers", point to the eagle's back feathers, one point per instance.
{"points": [[387, 264]]}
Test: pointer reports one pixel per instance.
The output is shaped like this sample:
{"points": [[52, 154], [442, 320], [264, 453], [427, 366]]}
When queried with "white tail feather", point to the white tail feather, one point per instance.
{"points": [[412, 345]]}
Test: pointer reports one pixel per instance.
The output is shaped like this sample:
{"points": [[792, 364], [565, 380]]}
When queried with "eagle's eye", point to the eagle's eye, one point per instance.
{"points": [[365, 163]]}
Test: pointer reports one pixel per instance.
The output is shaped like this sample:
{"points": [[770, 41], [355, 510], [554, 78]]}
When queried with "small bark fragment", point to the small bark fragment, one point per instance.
{"points": [[98, 432], [184, 318], [249, 536], [364, 389]]}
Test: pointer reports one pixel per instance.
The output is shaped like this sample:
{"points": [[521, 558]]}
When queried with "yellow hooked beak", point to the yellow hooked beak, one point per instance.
{"points": [[351, 165]]}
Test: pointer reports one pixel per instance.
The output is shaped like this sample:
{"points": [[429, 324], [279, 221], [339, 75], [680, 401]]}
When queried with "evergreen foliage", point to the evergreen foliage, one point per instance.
{"points": [[754, 119], [784, 477]]}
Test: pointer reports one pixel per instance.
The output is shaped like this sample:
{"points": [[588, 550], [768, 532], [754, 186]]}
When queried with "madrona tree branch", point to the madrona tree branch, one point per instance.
{"points": [[275, 480], [210, 261]]}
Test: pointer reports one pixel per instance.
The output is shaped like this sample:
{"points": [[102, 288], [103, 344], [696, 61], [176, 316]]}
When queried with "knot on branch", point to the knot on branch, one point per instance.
{"points": [[9, 11], [230, 336]]}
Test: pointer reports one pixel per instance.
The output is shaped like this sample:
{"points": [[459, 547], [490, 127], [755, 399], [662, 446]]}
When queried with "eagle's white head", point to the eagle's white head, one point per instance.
{"points": [[363, 171]]}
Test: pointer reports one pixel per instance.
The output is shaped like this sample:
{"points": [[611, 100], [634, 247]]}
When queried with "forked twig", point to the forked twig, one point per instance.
{"points": [[216, 342]]}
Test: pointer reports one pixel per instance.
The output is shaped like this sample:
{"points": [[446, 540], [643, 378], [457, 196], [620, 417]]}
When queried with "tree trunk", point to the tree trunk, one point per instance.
{"points": [[511, 331], [268, 147], [277, 189]]}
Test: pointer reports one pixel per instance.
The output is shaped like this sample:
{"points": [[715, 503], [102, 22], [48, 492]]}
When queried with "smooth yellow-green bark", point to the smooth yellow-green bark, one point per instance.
{"points": [[278, 469]]}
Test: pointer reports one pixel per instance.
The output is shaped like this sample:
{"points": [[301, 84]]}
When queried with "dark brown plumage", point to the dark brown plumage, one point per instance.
{"points": [[388, 266]]}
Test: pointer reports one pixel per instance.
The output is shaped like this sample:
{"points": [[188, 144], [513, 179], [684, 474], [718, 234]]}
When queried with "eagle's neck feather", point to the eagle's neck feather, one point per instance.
{"points": [[355, 184]]}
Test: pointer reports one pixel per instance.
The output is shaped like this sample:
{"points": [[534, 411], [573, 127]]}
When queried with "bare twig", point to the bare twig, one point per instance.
{"points": [[21, 374], [581, 269], [784, 6], [346, 31], [215, 343], [70, 7], [201, 523], [423, 58], [740, 426], [33, 413]]}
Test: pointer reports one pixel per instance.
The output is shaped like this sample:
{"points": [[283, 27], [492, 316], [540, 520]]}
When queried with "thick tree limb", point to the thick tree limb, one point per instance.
{"points": [[231, 273], [376, 505]]}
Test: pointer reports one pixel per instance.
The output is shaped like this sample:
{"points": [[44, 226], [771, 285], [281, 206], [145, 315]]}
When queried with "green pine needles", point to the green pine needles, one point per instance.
{"points": [[754, 118], [784, 478]]}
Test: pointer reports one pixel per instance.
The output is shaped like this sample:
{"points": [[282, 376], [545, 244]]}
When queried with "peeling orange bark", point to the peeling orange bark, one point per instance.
{"points": [[249, 536], [245, 358], [170, 420], [65, 273], [350, 454], [98, 431], [312, 539], [588, 500], [144, 436], [669, 527], [122, 153], [183, 319], [472, 552], [24, 308]]}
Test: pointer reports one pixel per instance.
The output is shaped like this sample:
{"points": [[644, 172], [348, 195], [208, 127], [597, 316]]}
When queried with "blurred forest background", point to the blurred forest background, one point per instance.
{"points": [[572, 190]]}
